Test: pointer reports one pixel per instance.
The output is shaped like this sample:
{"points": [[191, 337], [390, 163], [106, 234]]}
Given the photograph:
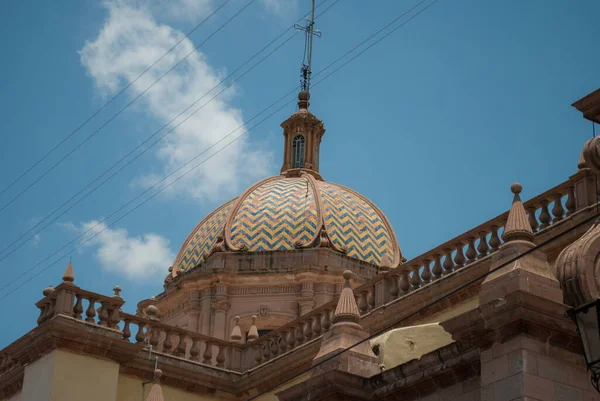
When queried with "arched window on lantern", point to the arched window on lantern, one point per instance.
{"points": [[298, 151]]}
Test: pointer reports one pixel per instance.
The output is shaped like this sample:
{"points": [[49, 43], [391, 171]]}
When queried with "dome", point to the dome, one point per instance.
{"points": [[285, 213]]}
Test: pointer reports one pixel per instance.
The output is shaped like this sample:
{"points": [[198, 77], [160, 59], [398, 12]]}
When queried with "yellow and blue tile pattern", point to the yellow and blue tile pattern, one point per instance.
{"points": [[352, 222], [203, 238], [275, 215]]}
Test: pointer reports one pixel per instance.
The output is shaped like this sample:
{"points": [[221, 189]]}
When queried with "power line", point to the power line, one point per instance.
{"points": [[90, 118], [148, 139], [121, 110], [421, 309], [187, 163]]}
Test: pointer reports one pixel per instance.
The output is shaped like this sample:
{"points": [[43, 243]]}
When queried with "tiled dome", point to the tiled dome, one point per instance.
{"points": [[286, 213]]}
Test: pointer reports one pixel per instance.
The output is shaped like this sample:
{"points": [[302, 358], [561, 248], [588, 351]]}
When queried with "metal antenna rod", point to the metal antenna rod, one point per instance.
{"points": [[310, 43], [309, 32]]}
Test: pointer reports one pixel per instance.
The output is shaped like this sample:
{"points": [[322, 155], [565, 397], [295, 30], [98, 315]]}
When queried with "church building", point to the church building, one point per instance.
{"points": [[297, 290]]}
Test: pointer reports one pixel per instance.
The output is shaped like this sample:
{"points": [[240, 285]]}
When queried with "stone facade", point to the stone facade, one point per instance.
{"points": [[311, 323]]}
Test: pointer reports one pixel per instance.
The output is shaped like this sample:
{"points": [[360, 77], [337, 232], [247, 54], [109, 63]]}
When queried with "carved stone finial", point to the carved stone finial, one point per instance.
{"points": [[346, 310], [346, 331], [117, 291], [156, 390], [152, 310], [324, 241], [517, 226], [303, 100], [236, 333], [48, 290], [253, 332], [68, 276]]}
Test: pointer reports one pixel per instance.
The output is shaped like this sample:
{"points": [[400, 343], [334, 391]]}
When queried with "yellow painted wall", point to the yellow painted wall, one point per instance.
{"points": [[130, 389], [37, 379], [64, 376]]}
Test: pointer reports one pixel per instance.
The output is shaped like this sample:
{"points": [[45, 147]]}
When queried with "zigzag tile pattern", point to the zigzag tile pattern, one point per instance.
{"points": [[203, 238], [354, 223], [276, 215]]}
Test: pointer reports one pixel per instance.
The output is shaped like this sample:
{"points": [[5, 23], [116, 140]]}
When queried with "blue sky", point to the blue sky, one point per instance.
{"points": [[433, 124]]}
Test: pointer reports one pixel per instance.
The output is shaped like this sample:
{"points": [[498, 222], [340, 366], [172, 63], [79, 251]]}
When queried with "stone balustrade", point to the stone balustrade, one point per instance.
{"points": [[302, 331], [545, 211]]}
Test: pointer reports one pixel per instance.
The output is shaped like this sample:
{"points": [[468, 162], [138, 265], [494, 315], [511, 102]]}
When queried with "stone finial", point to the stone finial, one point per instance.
{"points": [[156, 390], [48, 290], [346, 310], [386, 264], [152, 310], [253, 332], [303, 100], [347, 340], [117, 291], [68, 276], [236, 333], [517, 226]]}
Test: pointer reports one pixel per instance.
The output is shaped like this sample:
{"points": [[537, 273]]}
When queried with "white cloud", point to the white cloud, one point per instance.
{"points": [[281, 7], [131, 40], [134, 257]]}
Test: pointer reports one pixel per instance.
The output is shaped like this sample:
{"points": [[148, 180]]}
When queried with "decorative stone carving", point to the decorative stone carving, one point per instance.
{"points": [[263, 311], [578, 268], [591, 155]]}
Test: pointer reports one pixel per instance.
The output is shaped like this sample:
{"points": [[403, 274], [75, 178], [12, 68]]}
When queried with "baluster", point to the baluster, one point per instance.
{"points": [[326, 321], [363, 305], [195, 350], [558, 211], [308, 329], [40, 319], [291, 340], [570, 203], [266, 351], [299, 335], [494, 239], [115, 318], [274, 344], [448, 264], [482, 247], [471, 254], [316, 326], [207, 356], [283, 342], [532, 219], [426, 275], [415, 279], [221, 356], [371, 298], [168, 343], [126, 330], [545, 216], [404, 282], [459, 259], [103, 315], [78, 308], [140, 337], [258, 356], [437, 266], [180, 350], [394, 290], [90, 313], [154, 336], [49, 309]]}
